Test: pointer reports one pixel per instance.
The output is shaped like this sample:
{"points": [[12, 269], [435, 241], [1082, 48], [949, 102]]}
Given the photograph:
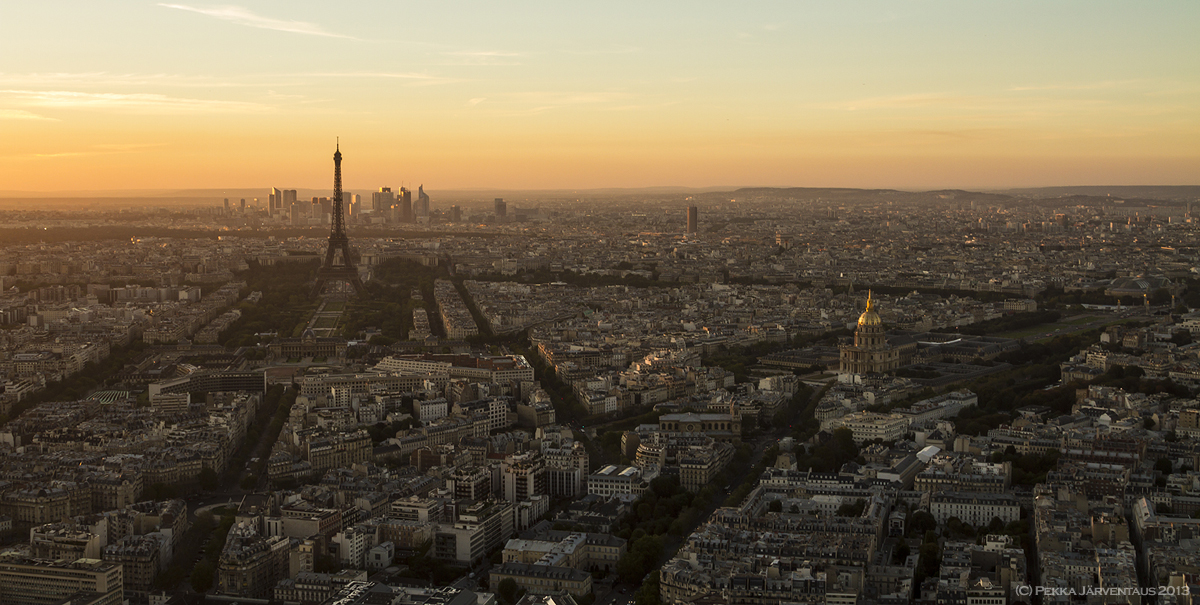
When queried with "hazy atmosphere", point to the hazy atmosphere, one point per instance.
{"points": [[599, 303]]}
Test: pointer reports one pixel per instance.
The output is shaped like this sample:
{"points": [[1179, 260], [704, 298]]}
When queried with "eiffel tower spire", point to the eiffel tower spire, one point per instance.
{"points": [[333, 270]]}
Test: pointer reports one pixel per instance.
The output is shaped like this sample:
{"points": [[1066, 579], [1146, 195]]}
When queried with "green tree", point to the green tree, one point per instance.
{"points": [[852, 509], [507, 591], [208, 479], [642, 555], [202, 576], [648, 594], [1163, 465], [931, 559], [922, 522]]}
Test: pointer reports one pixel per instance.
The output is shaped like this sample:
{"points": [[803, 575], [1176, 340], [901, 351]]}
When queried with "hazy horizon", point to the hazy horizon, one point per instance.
{"points": [[664, 189]]}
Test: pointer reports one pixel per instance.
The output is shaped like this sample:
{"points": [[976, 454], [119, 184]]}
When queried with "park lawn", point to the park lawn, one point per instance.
{"points": [[325, 323], [1034, 331]]}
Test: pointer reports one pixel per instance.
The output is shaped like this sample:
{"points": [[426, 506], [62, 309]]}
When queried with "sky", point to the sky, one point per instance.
{"points": [[130, 94]]}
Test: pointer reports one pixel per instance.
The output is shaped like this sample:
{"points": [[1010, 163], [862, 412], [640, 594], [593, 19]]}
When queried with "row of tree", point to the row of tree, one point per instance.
{"points": [[389, 304], [285, 305]]}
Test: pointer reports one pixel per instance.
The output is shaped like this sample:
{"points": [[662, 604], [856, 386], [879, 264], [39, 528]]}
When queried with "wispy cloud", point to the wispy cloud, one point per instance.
{"points": [[101, 78], [541, 101], [484, 53], [483, 57], [476, 101], [21, 114], [909, 101], [242, 16], [115, 147], [139, 101], [617, 50], [414, 78], [1084, 86], [61, 154], [100, 149], [569, 98], [159, 81]]}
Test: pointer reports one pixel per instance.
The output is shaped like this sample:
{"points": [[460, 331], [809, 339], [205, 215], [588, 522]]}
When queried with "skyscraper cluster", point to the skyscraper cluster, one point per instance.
{"points": [[390, 206], [280, 201]]}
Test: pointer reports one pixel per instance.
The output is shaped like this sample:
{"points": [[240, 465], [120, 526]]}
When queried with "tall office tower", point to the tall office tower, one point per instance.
{"points": [[693, 219], [456, 214], [275, 201], [382, 200], [326, 209], [501, 208], [226, 205], [422, 201], [352, 205], [339, 242], [406, 206], [289, 197], [421, 205], [243, 205]]}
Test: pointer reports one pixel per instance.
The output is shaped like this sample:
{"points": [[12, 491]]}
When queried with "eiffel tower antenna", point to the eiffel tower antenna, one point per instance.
{"points": [[332, 270]]}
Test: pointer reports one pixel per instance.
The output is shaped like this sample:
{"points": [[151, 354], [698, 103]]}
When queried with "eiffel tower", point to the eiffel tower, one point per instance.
{"points": [[334, 271]]}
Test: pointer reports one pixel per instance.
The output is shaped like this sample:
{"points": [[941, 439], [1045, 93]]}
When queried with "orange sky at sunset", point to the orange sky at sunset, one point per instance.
{"points": [[124, 95]]}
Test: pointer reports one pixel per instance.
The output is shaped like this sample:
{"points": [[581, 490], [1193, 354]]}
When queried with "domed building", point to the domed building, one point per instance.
{"points": [[870, 353]]}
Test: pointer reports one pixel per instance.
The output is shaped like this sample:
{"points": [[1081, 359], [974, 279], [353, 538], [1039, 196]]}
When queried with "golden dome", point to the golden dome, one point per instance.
{"points": [[870, 317]]}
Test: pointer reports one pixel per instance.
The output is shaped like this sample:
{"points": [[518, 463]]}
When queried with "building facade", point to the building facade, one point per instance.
{"points": [[870, 353]]}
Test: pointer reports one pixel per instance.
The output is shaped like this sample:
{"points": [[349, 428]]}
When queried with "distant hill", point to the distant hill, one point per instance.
{"points": [[1152, 192], [813, 192], [846, 194], [1098, 201]]}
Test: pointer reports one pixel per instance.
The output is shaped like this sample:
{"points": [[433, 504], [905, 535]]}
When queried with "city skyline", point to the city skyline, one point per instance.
{"points": [[200, 95]]}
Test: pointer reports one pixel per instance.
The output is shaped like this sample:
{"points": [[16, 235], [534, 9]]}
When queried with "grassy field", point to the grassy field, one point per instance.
{"points": [[335, 307], [1034, 331], [1080, 321], [1065, 324], [325, 323]]}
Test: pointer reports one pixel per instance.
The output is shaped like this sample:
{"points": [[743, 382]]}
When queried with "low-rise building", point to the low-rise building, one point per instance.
{"points": [[974, 508], [542, 579], [40, 581], [612, 480]]}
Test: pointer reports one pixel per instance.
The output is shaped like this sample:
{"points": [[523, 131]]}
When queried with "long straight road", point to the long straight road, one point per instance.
{"points": [[671, 543]]}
